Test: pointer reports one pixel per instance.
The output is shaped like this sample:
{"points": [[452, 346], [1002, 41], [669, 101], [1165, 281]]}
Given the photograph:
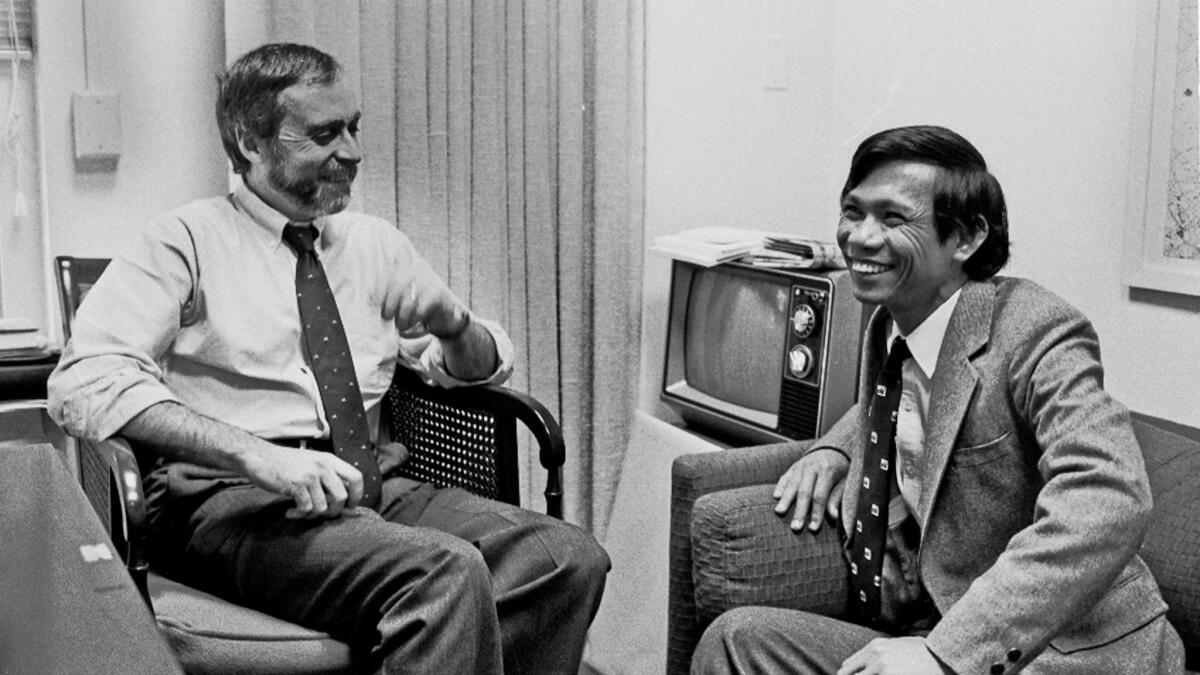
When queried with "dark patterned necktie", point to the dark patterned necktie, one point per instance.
{"points": [[329, 355], [871, 514]]}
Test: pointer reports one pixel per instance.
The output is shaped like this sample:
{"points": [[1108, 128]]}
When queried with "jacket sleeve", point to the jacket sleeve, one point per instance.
{"points": [[1088, 519], [843, 436]]}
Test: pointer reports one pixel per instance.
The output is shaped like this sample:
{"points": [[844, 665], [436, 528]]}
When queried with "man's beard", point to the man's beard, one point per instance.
{"points": [[326, 192]]}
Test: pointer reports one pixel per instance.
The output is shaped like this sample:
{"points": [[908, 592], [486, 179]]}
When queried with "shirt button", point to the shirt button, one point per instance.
{"points": [[997, 668], [1014, 655]]}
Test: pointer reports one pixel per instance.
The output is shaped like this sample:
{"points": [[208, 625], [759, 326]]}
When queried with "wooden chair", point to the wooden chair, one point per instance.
{"points": [[465, 437]]}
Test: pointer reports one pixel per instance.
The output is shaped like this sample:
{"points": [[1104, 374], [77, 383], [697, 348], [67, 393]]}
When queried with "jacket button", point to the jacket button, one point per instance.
{"points": [[1014, 655], [997, 668]]}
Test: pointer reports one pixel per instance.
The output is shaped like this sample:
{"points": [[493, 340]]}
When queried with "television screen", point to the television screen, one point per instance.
{"points": [[733, 338]]}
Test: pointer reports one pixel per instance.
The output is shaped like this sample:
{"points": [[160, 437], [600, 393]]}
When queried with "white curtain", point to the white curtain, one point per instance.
{"points": [[505, 138]]}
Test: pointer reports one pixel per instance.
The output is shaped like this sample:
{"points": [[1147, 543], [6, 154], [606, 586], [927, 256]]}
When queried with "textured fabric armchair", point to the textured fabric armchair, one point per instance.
{"points": [[729, 549]]}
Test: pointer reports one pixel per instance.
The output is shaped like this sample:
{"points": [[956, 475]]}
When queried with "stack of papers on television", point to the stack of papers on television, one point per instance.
{"points": [[708, 246], [783, 252], [20, 340]]}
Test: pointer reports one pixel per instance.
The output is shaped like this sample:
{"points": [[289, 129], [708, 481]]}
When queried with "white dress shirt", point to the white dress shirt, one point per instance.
{"points": [[925, 342], [202, 310]]}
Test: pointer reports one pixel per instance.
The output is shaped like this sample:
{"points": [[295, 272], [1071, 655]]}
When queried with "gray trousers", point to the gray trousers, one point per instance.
{"points": [[439, 580], [769, 640]]}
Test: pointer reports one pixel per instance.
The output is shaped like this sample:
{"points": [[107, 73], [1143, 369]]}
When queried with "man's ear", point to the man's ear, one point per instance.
{"points": [[251, 146], [970, 237]]}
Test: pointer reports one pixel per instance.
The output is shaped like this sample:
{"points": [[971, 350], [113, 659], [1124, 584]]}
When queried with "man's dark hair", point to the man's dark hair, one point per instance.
{"points": [[963, 190], [248, 93]]}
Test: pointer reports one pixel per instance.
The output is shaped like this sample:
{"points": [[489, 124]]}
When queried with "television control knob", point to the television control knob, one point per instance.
{"points": [[804, 320], [800, 361]]}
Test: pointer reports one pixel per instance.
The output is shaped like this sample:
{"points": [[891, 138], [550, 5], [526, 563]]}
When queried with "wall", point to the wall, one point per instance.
{"points": [[161, 57], [1044, 90]]}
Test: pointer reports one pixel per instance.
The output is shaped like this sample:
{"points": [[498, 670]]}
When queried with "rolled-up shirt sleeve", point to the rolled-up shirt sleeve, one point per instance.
{"points": [[110, 371], [419, 351], [423, 354]]}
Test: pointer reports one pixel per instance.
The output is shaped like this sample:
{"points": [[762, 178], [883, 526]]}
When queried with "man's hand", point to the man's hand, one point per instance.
{"points": [[468, 350], [434, 306], [815, 483], [892, 656], [322, 484]]}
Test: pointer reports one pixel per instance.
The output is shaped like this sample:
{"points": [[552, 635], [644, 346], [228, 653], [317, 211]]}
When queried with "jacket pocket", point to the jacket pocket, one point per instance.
{"points": [[1132, 602], [983, 453]]}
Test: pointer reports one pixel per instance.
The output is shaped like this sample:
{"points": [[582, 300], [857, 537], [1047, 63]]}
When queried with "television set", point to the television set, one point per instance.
{"points": [[759, 354]]}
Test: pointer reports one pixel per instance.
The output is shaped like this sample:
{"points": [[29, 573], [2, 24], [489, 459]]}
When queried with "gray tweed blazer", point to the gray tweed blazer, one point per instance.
{"points": [[1035, 495]]}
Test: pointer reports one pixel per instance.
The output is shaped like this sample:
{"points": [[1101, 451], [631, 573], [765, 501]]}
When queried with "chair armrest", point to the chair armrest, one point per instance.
{"points": [[113, 483], [745, 554], [692, 476], [504, 402], [696, 474], [506, 407], [499, 399]]}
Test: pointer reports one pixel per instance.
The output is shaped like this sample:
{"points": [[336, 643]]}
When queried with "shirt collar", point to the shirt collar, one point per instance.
{"points": [[925, 341], [270, 221]]}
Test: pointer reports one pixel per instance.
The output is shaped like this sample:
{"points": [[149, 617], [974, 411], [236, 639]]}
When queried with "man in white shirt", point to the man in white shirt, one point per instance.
{"points": [[1014, 498], [192, 346]]}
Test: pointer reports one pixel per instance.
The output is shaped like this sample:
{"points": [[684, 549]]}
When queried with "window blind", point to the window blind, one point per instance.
{"points": [[16, 14]]}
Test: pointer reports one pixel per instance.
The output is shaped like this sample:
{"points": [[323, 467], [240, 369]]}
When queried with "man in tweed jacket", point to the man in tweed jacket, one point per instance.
{"points": [[1021, 492]]}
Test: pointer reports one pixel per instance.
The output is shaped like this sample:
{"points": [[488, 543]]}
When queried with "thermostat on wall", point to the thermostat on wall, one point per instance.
{"points": [[96, 122]]}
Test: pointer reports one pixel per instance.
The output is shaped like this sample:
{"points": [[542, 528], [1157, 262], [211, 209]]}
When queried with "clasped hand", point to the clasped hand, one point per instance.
{"points": [[321, 484], [815, 484]]}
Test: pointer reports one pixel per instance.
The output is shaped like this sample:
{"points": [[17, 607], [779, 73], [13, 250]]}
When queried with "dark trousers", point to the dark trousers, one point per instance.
{"points": [[439, 580]]}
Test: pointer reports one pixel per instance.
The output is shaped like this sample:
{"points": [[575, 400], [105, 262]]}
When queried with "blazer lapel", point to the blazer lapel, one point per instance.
{"points": [[954, 382]]}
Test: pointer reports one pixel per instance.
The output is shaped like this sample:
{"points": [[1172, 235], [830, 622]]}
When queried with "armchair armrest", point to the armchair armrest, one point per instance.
{"points": [[113, 483], [745, 554], [510, 402], [693, 476], [410, 403]]}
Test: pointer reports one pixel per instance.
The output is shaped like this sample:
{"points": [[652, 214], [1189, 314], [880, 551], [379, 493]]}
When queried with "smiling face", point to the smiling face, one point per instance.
{"points": [[888, 236], [307, 169]]}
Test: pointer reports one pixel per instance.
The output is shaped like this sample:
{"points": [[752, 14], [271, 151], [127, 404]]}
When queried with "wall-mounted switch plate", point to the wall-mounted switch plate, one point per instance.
{"points": [[96, 123], [774, 63]]}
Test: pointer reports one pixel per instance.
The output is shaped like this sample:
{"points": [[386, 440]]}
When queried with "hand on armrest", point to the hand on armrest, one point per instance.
{"points": [[815, 483]]}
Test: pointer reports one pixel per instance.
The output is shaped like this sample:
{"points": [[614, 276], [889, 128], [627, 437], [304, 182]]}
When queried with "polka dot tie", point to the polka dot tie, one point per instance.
{"points": [[869, 536], [329, 356]]}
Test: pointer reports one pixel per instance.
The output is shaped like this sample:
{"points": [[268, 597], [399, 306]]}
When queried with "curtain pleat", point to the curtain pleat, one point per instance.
{"points": [[541, 345], [517, 258], [437, 238], [617, 208], [383, 174], [486, 264], [575, 228], [505, 138]]}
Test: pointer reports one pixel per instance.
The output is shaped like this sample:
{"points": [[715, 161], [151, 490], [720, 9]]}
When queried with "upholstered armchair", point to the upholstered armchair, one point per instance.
{"points": [[728, 548]]}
